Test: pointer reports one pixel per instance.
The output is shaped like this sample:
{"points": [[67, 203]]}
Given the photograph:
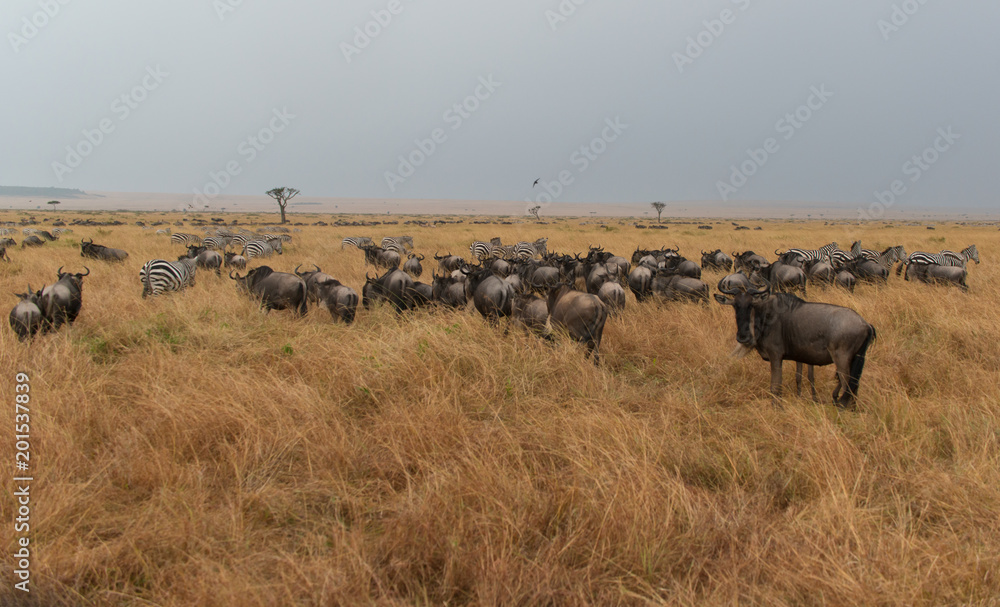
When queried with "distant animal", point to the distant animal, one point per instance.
{"points": [[261, 248], [933, 273], [232, 260], [716, 260], [32, 241], [340, 300], [394, 287], [481, 250], [4, 243], [536, 182], [356, 242], [275, 290], [399, 244], [185, 239], [780, 326], [204, 258], [101, 252], [312, 279], [413, 267], [448, 263], [448, 291]]}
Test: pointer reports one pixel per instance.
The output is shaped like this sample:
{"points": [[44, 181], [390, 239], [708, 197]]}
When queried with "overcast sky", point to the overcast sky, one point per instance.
{"points": [[627, 101]]}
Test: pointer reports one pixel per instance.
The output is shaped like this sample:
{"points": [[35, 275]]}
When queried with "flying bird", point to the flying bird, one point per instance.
{"points": [[536, 182]]}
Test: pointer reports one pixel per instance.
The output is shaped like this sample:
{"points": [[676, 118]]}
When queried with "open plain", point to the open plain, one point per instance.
{"points": [[191, 450]]}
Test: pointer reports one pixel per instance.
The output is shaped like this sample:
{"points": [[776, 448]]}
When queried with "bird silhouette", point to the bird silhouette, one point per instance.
{"points": [[536, 182]]}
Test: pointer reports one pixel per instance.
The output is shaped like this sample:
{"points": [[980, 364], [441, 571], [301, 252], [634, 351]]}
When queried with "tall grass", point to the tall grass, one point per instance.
{"points": [[191, 450]]}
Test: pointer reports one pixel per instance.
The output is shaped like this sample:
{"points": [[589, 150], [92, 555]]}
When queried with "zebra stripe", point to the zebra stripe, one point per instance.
{"points": [[216, 242], [963, 257], [399, 244], [260, 248], [481, 250], [822, 253], [159, 275], [356, 242], [185, 239]]}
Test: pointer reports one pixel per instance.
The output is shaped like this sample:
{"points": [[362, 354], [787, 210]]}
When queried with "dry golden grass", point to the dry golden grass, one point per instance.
{"points": [[190, 450]]}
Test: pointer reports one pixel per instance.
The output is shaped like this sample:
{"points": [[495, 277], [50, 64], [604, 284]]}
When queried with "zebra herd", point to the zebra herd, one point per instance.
{"points": [[494, 249]]}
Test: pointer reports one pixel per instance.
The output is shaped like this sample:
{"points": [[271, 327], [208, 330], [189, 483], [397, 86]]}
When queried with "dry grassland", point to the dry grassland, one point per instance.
{"points": [[191, 450]]}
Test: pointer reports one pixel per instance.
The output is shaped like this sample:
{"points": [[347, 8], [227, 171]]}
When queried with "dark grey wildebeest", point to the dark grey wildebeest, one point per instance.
{"points": [[716, 260], [780, 326], [4, 243], [32, 241], [449, 291], [449, 263], [340, 300], [640, 282], [613, 296], [61, 302], [532, 312], [669, 286], [275, 290], [395, 287], [204, 258], [234, 261], [313, 278], [932, 273], [26, 318], [413, 267], [582, 315], [101, 252], [490, 295]]}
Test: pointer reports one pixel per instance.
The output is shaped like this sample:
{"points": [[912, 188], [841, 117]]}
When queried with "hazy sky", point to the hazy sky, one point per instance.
{"points": [[295, 93]]}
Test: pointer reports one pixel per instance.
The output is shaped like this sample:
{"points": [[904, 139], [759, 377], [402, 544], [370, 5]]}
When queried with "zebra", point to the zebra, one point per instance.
{"points": [[821, 254], [242, 239], [887, 257], [399, 244], [216, 242], [262, 248], [481, 250], [964, 256], [159, 275], [528, 250], [163, 232], [185, 239], [941, 259], [356, 242]]}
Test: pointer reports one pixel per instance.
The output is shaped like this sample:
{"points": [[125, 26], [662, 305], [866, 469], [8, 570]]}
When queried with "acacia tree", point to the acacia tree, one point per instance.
{"points": [[283, 195], [534, 211], [659, 206]]}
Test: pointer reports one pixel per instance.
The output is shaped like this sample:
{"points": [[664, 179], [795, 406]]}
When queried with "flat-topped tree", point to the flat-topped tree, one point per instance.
{"points": [[283, 195], [659, 206], [534, 211]]}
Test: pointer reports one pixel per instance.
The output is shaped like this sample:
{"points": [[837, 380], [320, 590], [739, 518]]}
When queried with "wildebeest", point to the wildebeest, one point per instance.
{"points": [[204, 258], [935, 274], [4, 243], [818, 270], [412, 265], [582, 314], [26, 317], [613, 296], [866, 270], [780, 326], [748, 261], [312, 279], [490, 295], [275, 290], [845, 280], [340, 300], [237, 262], [395, 287], [640, 282], [101, 252], [783, 277], [716, 260], [422, 294], [61, 301], [530, 311], [448, 263], [32, 241], [739, 280], [449, 291], [381, 258], [669, 286]]}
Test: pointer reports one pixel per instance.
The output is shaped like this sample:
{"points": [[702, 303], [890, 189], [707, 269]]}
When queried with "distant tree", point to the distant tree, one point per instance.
{"points": [[659, 206], [282, 196], [53, 203], [534, 211]]}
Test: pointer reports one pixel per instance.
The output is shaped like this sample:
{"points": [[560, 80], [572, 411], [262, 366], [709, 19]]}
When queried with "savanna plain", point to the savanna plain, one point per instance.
{"points": [[191, 450]]}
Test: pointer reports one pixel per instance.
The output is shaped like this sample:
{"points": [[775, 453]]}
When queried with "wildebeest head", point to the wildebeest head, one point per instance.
{"points": [[743, 303]]}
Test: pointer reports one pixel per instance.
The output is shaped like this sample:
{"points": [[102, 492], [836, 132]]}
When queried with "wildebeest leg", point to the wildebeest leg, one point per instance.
{"points": [[592, 348], [812, 382], [798, 378], [776, 378], [841, 394]]}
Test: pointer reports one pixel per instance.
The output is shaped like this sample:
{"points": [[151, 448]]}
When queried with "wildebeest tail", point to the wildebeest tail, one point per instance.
{"points": [[858, 363], [303, 305]]}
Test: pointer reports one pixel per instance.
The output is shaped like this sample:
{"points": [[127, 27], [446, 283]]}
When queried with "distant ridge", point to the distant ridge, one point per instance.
{"points": [[7, 190]]}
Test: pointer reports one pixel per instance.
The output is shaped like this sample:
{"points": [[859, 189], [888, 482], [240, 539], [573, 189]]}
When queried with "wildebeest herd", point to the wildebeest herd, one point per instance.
{"points": [[546, 292]]}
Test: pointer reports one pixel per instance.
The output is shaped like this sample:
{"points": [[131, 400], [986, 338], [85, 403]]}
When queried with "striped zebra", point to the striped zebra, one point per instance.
{"points": [[528, 250], [216, 242], [356, 241], [159, 275], [241, 240], [963, 257], [399, 244], [481, 250], [887, 257], [185, 239], [262, 248], [823, 253], [504, 251], [925, 258]]}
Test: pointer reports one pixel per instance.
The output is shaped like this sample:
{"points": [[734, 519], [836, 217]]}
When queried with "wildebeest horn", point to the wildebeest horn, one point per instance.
{"points": [[726, 291], [764, 291], [420, 257], [436, 255], [237, 275], [296, 270], [317, 268], [88, 271], [778, 253], [59, 271]]}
